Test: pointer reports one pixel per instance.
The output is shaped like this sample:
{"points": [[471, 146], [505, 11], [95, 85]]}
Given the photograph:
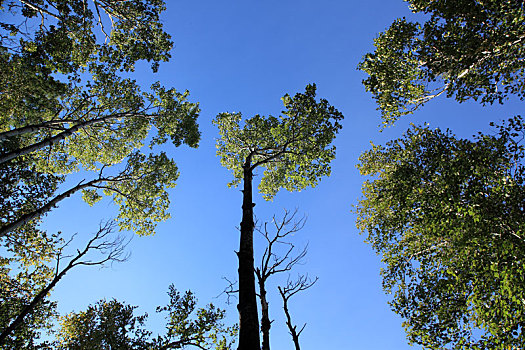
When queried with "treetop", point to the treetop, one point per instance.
{"points": [[294, 148]]}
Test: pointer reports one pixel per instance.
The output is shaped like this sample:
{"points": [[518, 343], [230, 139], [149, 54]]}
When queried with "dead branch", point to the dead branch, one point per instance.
{"points": [[272, 263], [303, 282]]}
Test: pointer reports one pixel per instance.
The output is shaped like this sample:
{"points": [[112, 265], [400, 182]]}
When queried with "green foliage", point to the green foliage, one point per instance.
{"points": [[187, 325], [467, 49], [105, 325], [113, 325], [26, 253], [23, 187], [447, 215], [69, 102], [25, 270], [294, 148], [140, 191]]}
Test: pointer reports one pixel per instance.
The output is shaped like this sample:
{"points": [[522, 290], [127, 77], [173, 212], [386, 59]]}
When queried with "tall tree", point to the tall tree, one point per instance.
{"points": [[447, 213], [69, 103], [466, 49], [295, 150], [448, 217]]}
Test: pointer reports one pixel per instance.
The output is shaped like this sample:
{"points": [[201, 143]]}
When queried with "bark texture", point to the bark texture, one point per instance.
{"points": [[248, 317]]}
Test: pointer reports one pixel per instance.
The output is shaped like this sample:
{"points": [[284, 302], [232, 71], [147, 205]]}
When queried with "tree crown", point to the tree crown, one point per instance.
{"points": [[294, 148], [467, 50]]}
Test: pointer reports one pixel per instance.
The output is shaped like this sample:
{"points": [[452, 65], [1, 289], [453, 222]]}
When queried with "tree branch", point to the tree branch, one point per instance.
{"points": [[114, 251]]}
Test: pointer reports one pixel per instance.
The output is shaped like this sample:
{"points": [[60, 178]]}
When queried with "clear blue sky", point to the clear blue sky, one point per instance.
{"points": [[243, 55]]}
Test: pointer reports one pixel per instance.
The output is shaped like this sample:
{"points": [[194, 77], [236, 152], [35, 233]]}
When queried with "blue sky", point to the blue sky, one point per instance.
{"points": [[243, 56]]}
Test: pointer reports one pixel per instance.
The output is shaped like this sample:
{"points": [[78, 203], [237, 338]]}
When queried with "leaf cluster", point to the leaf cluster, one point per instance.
{"points": [[25, 270], [294, 148], [466, 49], [69, 104], [112, 324], [447, 215]]}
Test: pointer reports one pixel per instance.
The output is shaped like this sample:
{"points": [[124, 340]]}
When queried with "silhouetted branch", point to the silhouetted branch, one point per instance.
{"points": [[111, 250], [272, 263], [230, 290], [293, 287]]}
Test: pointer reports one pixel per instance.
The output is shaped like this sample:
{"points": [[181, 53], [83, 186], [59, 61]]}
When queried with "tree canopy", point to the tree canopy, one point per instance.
{"points": [[69, 103], [447, 214], [113, 325], [294, 148], [465, 49], [448, 217]]}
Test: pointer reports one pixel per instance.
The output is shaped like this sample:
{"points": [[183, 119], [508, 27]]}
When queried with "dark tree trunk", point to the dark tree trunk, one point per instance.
{"points": [[266, 324], [289, 324], [248, 316]]}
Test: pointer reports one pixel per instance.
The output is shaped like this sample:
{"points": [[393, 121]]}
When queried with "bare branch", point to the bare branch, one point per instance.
{"points": [[110, 250], [230, 290], [303, 282], [272, 263]]}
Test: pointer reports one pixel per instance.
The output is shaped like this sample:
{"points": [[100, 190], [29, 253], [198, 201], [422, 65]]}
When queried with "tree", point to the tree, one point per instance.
{"points": [[295, 151], [139, 189], [69, 104], [112, 324], [105, 325], [24, 271], [279, 256], [23, 298], [303, 282], [447, 215], [272, 263], [466, 49]]}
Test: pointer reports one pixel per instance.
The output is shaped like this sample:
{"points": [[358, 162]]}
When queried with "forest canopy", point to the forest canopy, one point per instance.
{"points": [[446, 213]]}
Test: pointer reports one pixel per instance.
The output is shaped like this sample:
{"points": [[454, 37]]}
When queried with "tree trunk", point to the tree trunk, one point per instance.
{"points": [[289, 324], [24, 219], [265, 316], [29, 129], [248, 316], [29, 307]]}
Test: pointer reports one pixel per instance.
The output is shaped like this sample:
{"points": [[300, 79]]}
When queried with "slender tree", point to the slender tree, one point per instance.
{"points": [[295, 151], [69, 104], [288, 291], [273, 263], [138, 190]]}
